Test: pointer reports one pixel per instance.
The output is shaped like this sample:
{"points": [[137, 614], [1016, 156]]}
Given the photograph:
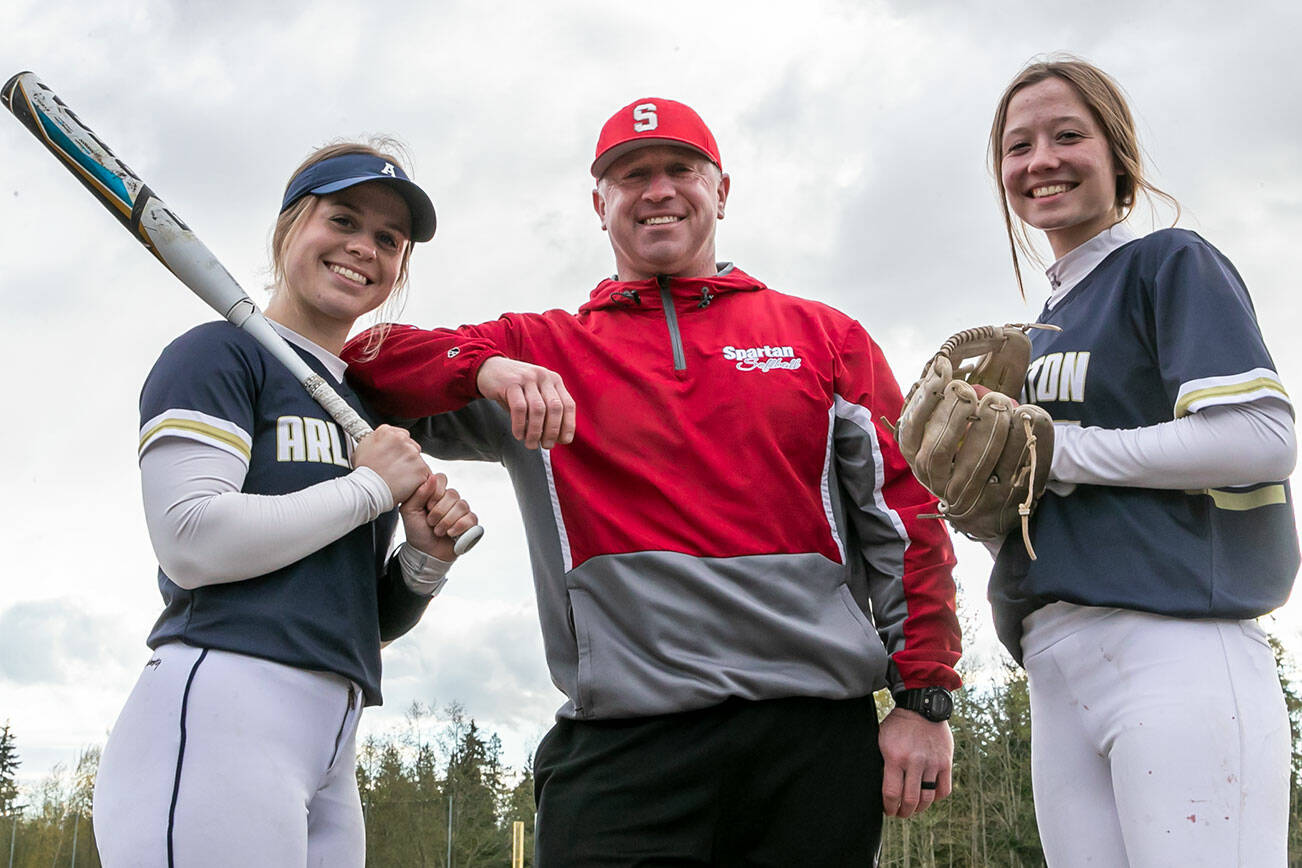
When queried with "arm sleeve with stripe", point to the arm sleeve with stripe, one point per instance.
{"points": [[1224, 445], [206, 531], [1232, 419]]}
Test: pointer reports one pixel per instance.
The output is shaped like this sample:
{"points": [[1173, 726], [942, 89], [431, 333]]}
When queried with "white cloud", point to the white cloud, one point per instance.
{"points": [[56, 642]]}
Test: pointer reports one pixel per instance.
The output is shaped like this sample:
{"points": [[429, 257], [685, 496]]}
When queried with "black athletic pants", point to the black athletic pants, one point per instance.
{"points": [[788, 783]]}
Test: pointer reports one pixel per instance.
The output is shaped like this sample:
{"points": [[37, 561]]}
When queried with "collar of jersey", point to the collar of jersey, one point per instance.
{"points": [[335, 365], [1078, 262]]}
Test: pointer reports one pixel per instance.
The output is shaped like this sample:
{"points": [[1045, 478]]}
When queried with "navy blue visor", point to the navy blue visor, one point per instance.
{"points": [[342, 172]]}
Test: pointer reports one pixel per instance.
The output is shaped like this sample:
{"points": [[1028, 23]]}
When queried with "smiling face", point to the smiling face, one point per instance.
{"points": [[660, 205], [341, 262], [1057, 166]]}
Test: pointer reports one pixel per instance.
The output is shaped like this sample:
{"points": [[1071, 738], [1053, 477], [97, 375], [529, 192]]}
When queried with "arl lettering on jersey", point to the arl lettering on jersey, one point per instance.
{"points": [[1057, 377], [644, 117], [763, 358], [302, 438]]}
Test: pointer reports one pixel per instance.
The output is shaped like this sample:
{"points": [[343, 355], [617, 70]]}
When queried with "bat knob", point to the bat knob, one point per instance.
{"points": [[467, 540]]}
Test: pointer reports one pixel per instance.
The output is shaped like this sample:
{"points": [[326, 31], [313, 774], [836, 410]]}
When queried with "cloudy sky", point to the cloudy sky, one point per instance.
{"points": [[855, 136]]}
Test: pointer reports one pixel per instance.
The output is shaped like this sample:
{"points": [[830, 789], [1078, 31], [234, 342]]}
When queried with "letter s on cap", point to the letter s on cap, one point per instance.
{"points": [[644, 117]]}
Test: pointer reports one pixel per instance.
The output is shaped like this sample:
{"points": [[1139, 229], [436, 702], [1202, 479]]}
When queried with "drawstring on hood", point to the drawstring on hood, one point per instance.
{"points": [[687, 292]]}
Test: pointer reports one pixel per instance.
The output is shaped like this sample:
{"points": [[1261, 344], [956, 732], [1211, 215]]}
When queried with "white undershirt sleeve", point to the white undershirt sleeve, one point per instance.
{"points": [[1220, 446], [423, 573], [206, 531]]}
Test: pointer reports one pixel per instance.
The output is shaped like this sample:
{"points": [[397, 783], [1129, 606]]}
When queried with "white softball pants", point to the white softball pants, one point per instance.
{"points": [[1155, 741], [220, 759]]}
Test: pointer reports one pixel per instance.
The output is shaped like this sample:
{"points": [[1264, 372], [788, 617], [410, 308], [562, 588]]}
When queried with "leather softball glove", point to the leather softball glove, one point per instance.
{"points": [[985, 456]]}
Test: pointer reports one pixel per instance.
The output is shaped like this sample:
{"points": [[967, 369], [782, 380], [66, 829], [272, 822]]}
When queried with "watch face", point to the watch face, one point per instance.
{"points": [[939, 704]]}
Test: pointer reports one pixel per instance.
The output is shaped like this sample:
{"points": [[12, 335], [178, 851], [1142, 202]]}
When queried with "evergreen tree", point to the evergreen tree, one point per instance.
{"points": [[475, 788], [9, 763], [989, 819], [411, 808], [520, 807], [389, 801]]}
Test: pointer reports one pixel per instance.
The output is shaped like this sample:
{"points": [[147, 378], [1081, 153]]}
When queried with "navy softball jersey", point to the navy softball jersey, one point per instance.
{"points": [[1162, 328], [217, 385]]}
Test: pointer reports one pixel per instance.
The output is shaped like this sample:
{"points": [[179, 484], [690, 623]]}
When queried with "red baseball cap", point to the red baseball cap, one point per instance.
{"points": [[652, 121]]}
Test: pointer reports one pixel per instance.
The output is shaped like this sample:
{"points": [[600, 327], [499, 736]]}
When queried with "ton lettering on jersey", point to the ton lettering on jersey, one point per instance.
{"points": [[303, 438], [1057, 377]]}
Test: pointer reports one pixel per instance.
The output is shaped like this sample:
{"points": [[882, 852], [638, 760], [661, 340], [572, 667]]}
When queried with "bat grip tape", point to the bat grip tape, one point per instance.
{"points": [[337, 407]]}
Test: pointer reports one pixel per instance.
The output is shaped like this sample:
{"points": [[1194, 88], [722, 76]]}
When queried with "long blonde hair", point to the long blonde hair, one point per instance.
{"points": [[1106, 102], [292, 219]]}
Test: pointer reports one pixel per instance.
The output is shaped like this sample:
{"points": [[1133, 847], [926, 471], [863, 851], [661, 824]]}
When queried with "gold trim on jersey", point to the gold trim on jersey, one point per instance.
{"points": [[190, 428], [1256, 384], [1242, 501]]}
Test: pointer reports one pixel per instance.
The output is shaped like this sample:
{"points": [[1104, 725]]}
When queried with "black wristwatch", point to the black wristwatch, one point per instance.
{"points": [[933, 703]]}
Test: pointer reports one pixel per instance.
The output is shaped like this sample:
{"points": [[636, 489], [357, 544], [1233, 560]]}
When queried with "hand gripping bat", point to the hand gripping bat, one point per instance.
{"points": [[166, 236]]}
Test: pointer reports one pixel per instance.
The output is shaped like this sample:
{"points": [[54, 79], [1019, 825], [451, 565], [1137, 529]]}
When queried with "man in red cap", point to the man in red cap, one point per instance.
{"points": [[729, 552]]}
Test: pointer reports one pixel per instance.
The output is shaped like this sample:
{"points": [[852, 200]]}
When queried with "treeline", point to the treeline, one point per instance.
{"points": [[437, 787], [50, 823], [432, 789], [437, 793]]}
